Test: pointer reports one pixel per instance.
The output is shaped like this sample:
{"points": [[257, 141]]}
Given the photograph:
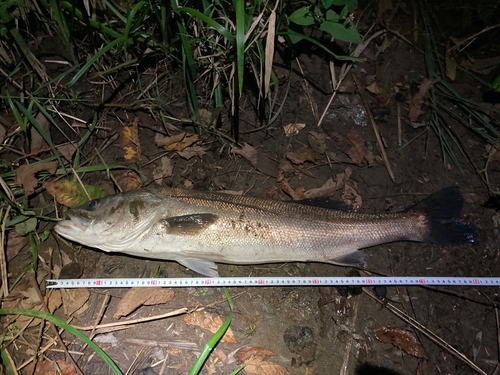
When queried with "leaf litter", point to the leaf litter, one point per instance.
{"points": [[25, 175], [137, 297], [256, 361], [210, 322]]}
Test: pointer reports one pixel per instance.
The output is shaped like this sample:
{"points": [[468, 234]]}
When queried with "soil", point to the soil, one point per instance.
{"points": [[311, 330]]}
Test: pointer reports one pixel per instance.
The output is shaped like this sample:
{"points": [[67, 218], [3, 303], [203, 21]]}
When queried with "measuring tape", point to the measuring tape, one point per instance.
{"points": [[205, 282]]}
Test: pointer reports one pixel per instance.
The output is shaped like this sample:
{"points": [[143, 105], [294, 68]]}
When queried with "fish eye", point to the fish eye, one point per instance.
{"points": [[91, 205]]}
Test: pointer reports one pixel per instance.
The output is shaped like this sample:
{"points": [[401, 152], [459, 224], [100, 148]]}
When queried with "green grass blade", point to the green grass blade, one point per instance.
{"points": [[94, 58], [62, 324], [298, 36], [130, 21], [27, 113], [209, 346], [239, 7], [209, 21]]}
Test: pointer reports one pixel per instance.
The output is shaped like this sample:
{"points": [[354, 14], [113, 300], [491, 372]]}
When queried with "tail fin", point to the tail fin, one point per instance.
{"points": [[442, 210]]}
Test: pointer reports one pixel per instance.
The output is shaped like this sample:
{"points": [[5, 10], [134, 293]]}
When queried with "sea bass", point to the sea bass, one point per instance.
{"points": [[198, 228]]}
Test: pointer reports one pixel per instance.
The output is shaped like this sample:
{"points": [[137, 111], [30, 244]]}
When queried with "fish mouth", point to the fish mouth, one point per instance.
{"points": [[75, 224]]}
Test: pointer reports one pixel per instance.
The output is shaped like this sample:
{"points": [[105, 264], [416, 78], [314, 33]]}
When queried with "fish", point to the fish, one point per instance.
{"points": [[199, 228]]}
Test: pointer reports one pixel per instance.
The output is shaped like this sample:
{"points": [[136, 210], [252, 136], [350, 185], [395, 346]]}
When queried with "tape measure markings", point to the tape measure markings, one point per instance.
{"points": [[272, 281]]}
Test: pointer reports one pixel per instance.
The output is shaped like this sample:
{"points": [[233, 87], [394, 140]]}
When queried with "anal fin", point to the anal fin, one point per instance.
{"points": [[202, 266], [356, 258]]}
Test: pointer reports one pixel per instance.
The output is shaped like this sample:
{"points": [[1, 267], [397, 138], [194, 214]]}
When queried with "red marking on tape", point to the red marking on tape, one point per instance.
{"points": [[315, 281], [476, 281], [260, 281], [154, 282], [98, 282], [369, 281], [421, 281], [208, 282]]}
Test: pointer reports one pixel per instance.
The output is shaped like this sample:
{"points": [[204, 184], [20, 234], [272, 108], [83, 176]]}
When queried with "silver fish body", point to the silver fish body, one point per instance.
{"points": [[197, 229]]}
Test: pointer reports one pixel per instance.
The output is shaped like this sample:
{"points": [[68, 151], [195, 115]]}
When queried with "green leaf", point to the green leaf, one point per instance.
{"points": [[332, 16], [45, 235], [26, 226], [302, 16], [496, 84], [351, 5], [346, 31]]}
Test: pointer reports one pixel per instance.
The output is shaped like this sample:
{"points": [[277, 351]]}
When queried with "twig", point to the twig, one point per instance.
{"points": [[375, 130], [184, 310], [305, 86], [347, 352], [107, 297], [400, 130], [3, 256], [426, 332], [345, 70], [466, 40]]}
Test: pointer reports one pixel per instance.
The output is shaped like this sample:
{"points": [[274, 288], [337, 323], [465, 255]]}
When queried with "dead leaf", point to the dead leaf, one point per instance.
{"points": [[23, 296], [71, 194], [67, 151], [210, 322], [55, 300], [358, 151], [177, 142], [130, 140], [74, 300], [293, 129], [137, 297], [164, 168], [317, 141], [374, 88], [2, 133], [37, 143], [492, 153], [351, 196], [205, 115], [330, 186], [401, 339], [296, 194], [25, 175], [415, 103], [189, 152], [303, 155], [256, 361], [248, 152], [128, 181], [59, 367], [15, 243]]}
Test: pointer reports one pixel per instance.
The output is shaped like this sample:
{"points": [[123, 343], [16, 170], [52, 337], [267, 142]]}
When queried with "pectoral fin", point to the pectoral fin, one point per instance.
{"points": [[205, 267], [189, 224]]}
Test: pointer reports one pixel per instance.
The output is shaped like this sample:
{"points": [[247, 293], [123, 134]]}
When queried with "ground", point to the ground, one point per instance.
{"points": [[310, 330]]}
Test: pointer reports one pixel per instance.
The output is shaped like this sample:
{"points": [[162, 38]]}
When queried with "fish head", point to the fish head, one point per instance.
{"points": [[112, 223]]}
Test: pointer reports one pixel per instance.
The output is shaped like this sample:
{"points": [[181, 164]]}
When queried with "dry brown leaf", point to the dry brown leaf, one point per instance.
{"points": [[74, 299], [25, 175], [177, 142], [293, 129], [256, 361], [67, 150], [492, 153], [2, 133], [128, 181], [15, 243], [210, 322], [189, 152], [23, 296], [137, 297], [55, 300], [374, 88], [296, 194], [170, 140], [248, 152], [205, 115], [303, 155], [358, 151], [415, 103], [317, 141], [59, 367], [330, 186], [130, 140], [351, 196], [37, 143], [401, 339], [164, 169]]}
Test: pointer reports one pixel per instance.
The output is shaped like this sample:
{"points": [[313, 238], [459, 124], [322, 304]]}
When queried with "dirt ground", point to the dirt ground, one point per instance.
{"points": [[311, 330]]}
